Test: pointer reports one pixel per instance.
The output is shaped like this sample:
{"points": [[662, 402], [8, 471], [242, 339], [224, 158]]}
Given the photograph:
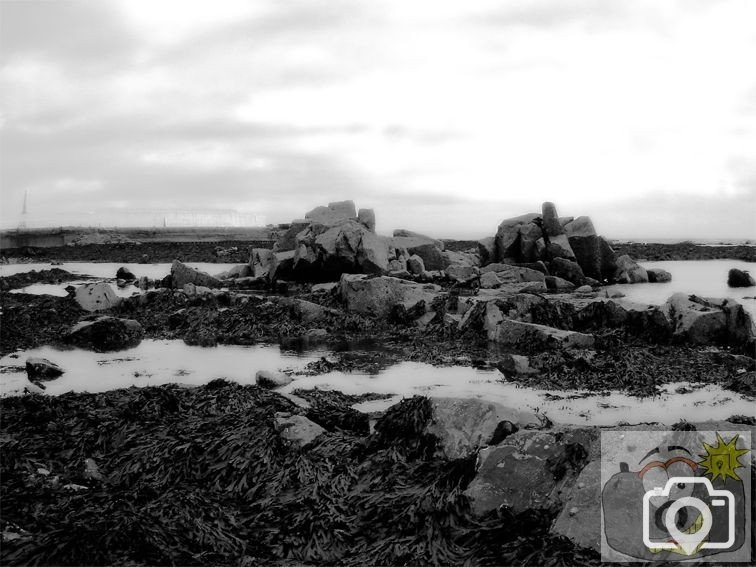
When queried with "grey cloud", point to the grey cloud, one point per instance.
{"points": [[79, 33]]}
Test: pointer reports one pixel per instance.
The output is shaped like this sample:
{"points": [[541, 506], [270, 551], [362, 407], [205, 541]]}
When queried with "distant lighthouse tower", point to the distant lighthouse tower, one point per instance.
{"points": [[22, 224]]}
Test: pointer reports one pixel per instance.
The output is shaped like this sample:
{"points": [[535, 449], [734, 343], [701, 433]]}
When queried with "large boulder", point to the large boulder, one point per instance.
{"points": [[628, 271], [325, 252], [511, 332], [182, 274], [333, 214], [657, 275], [96, 297], [124, 273], [373, 253], [507, 239], [41, 369], [709, 321], [504, 330], [529, 471], [106, 334], [586, 246], [739, 278], [463, 425], [568, 270], [378, 296]]}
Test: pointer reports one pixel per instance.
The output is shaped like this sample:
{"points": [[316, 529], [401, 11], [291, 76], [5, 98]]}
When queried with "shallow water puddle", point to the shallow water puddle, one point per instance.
{"points": [[154, 363], [59, 290]]}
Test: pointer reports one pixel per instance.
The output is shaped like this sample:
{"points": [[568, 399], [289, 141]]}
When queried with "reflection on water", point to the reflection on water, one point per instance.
{"points": [[162, 362]]}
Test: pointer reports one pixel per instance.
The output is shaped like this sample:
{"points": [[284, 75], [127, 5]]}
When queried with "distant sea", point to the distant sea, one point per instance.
{"points": [[699, 241]]}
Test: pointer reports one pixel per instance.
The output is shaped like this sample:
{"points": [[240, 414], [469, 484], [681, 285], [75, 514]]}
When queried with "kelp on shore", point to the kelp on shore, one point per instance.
{"points": [[201, 477]]}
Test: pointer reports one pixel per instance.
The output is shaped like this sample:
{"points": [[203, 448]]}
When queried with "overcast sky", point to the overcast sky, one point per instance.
{"points": [[444, 116]]}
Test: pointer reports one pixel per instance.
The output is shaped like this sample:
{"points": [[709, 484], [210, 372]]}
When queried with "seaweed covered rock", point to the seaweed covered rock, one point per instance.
{"points": [[106, 334], [450, 428]]}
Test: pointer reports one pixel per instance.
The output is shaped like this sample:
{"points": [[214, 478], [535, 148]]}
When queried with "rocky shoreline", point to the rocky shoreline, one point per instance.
{"points": [[96, 478]]}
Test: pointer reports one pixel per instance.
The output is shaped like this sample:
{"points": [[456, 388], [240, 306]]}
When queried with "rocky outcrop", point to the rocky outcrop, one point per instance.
{"points": [[42, 370], [532, 237], [96, 297], [709, 321], [740, 278], [182, 274], [379, 296], [106, 334]]}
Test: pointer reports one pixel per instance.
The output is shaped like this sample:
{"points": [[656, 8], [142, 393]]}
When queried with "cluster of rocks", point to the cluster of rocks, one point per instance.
{"points": [[519, 317], [547, 251], [336, 239], [567, 248]]}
